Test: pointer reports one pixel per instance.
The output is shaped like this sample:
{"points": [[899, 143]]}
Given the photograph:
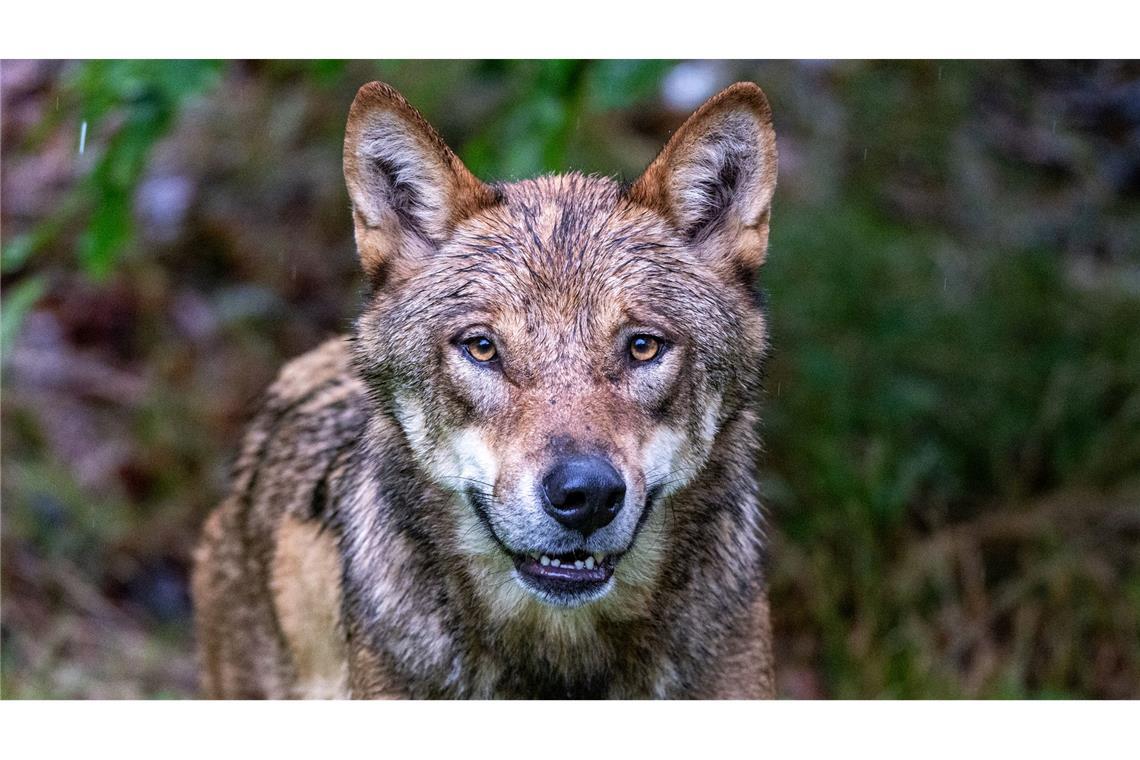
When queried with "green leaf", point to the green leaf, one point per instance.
{"points": [[146, 95], [18, 301], [16, 253]]}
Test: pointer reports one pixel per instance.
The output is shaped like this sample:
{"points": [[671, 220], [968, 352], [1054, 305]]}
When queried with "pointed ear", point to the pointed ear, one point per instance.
{"points": [[717, 174], [406, 185]]}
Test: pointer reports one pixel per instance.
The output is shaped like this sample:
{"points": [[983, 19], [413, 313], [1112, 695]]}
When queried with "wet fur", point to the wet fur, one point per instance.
{"points": [[382, 457]]}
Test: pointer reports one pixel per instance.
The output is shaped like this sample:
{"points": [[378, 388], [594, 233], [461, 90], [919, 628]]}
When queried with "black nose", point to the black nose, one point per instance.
{"points": [[583, 493]]}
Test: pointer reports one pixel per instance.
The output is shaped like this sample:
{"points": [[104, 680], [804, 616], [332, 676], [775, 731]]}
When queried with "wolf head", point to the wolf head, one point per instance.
{"points": [[564, 354]]}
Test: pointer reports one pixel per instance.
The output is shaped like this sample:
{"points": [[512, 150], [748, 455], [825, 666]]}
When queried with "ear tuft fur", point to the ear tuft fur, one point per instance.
{"points": [[717, 174]]}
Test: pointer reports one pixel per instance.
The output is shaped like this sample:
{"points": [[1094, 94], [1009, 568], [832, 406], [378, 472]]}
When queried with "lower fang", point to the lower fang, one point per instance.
{"points": [[545, 560], [589, 563]]}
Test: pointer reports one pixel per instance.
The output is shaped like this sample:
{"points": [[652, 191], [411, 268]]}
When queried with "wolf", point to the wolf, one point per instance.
{"points": [[531, 469]]}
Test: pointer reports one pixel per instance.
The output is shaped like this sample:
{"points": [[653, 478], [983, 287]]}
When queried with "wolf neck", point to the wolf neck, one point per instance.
{"points": [[427, 627]]}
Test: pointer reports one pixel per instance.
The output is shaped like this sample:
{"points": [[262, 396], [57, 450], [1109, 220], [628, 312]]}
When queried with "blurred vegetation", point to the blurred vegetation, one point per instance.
{"points": [[953, 457]]}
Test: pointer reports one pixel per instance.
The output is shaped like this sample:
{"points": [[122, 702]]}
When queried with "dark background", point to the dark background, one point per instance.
{"points": [[953, 416]]}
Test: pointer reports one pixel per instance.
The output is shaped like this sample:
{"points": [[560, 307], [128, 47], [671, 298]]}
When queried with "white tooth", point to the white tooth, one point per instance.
{"points": [[589, 563], [556, 563], [545, 560], [579, 564]]}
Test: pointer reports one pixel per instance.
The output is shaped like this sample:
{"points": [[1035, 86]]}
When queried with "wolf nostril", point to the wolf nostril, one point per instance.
{"points": [[583, 493]]}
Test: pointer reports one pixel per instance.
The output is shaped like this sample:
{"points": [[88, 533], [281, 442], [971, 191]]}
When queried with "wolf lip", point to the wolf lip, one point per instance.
{"points": [[567, 577], [565, 573]]}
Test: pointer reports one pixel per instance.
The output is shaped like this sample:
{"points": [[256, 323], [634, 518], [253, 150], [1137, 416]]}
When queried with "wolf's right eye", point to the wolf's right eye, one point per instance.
{"points": [[480, 348]]}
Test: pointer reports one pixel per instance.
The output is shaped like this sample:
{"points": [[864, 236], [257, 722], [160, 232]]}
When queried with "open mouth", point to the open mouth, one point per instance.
{"points": [[576, 574], [567, 579]]}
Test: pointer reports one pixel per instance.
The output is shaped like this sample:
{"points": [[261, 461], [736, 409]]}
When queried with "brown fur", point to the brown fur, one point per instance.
{"points": [[366, 546]]}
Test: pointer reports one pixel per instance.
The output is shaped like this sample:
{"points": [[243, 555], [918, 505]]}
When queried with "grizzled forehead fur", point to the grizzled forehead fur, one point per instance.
{"points": [[556, 267], [551, 265]]}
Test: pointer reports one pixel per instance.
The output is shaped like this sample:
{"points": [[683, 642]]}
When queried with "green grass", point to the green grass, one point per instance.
{"points": [[917, 392]]}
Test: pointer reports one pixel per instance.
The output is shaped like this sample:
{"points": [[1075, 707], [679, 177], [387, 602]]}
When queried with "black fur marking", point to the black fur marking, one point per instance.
{"points": [[319, 501]]}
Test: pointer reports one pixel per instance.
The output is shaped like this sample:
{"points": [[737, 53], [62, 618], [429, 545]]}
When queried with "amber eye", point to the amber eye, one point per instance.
{"points": [[644, 347], [480, 348]]}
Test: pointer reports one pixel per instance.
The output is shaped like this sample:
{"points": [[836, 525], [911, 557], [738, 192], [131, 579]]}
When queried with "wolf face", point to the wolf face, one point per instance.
{"points": [[561, 354]]}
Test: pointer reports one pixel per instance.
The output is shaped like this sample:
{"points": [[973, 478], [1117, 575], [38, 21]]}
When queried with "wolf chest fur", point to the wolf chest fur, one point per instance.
{"points": [[531, 469]]}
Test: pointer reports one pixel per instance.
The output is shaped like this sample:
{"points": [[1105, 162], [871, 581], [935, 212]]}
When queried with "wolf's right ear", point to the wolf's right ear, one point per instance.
{"points": [[406, 185]]}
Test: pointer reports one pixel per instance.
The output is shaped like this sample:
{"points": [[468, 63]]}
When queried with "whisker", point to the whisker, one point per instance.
{"points": [[468, 480]]}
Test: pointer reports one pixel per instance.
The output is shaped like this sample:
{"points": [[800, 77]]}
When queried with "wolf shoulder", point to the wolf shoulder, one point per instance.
{"points": [[266, 581], [321, 378], [313, 411]]}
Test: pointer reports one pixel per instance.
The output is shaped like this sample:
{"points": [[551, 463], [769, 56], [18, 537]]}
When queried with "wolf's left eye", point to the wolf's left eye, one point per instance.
{"points": [[644, 348], [481, 348]]}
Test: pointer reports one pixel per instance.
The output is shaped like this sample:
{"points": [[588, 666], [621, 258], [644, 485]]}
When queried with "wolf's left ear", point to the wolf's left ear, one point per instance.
{"points": [[716, 176], [407, 187]]}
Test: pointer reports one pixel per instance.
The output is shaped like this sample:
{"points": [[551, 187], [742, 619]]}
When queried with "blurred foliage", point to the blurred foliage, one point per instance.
{"points": [[135, 101], [952, 464]]}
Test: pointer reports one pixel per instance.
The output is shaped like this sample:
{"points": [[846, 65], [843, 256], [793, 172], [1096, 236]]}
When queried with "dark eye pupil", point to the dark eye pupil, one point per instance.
{"points": [[641, 345], [482, 345]]}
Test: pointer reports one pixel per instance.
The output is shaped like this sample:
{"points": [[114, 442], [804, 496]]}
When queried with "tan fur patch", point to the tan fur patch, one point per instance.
{"points": [[306, 587]]}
